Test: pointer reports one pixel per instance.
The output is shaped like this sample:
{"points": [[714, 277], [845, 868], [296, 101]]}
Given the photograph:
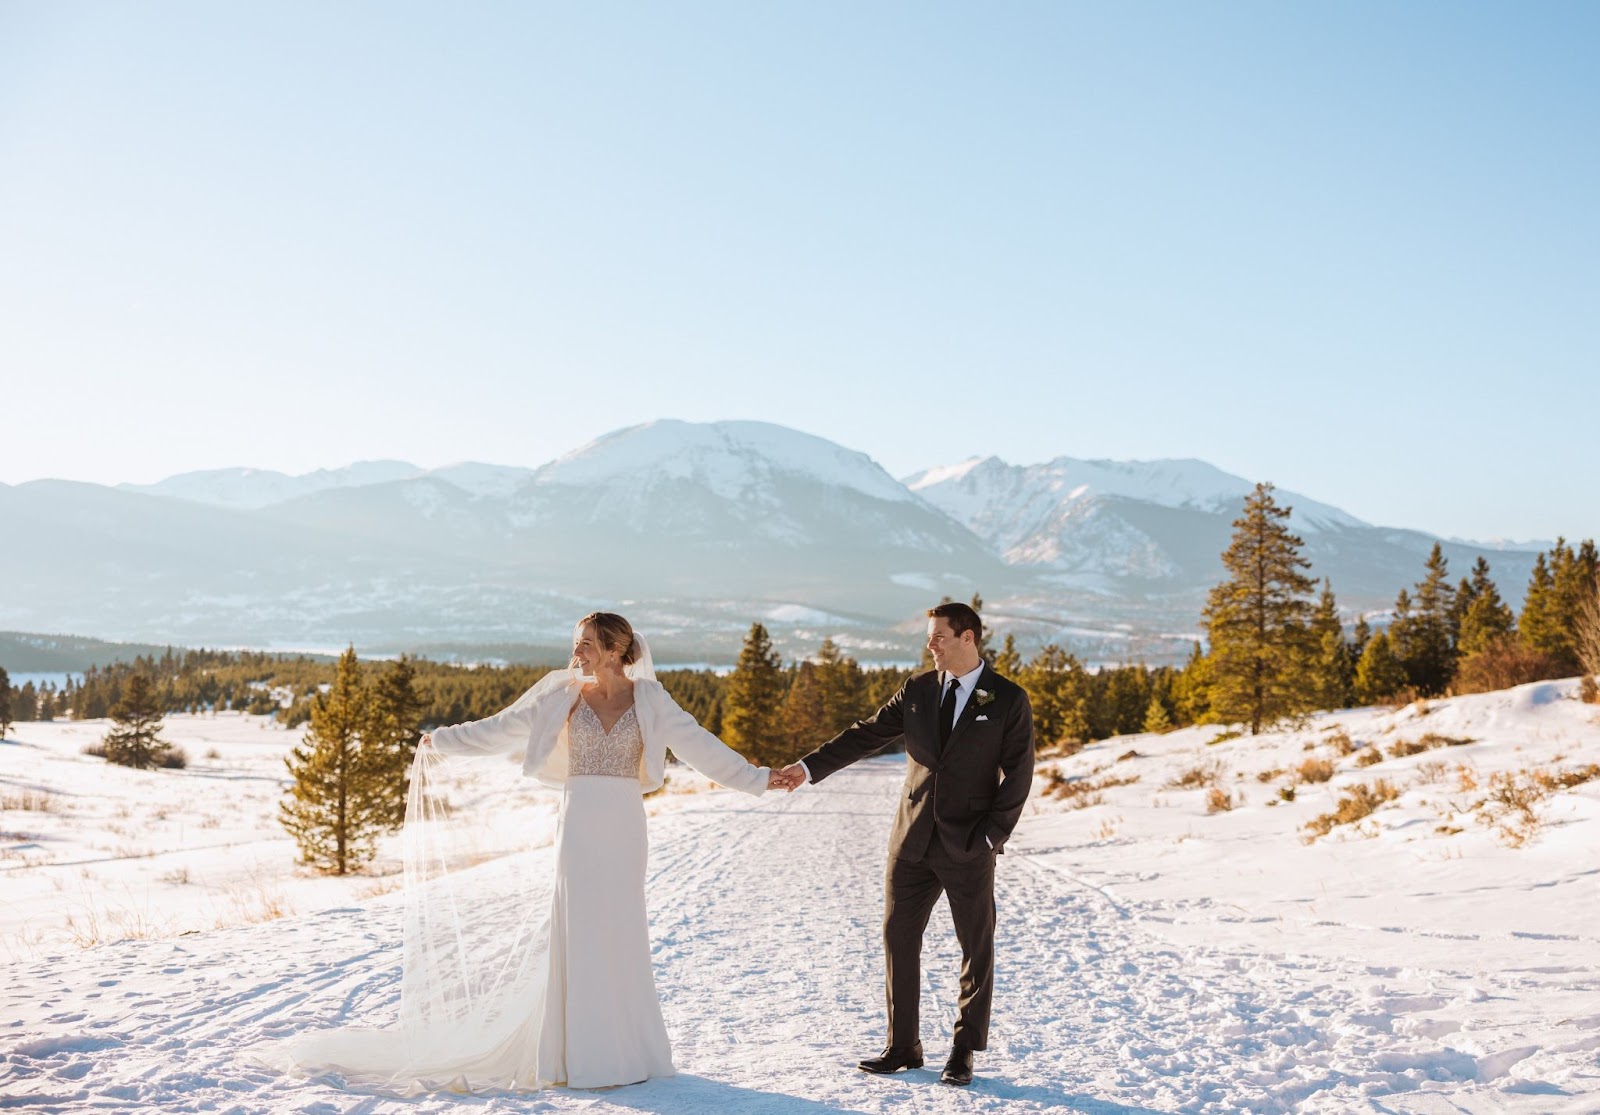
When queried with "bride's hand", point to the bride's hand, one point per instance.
{"points": [[427, 740]]}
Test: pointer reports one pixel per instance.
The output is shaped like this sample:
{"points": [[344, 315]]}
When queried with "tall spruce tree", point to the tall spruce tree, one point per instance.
{"points": [[24, 703], [1539, 626], [1007, 661], [1057, 689], [1257, 619], [1156, 717], [1485, 618], [5, 703], [339, 801], [1379, 674], [1332, 669], [394, 725], [135, 736], [753, 700], [844, 688], [1426, 644], [1191, 689]]}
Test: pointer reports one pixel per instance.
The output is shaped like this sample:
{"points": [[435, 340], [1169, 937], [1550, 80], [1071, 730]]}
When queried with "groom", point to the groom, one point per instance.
{"points": [[969, 766]]}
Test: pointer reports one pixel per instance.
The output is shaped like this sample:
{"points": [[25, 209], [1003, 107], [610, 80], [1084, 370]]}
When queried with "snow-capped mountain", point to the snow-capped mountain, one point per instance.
{"points": [[697, 527], [253, 488], [1053, 513], [1142, 527]]}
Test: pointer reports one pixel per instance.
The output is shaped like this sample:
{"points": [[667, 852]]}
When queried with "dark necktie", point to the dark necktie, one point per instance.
{"points": [[947, 712]]}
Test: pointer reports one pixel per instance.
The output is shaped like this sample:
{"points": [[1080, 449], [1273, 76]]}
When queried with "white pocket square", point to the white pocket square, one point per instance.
{"points": [[983, 718]]}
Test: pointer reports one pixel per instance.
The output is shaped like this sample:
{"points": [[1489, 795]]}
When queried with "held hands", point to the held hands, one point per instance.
{"points": [[789, 779]]}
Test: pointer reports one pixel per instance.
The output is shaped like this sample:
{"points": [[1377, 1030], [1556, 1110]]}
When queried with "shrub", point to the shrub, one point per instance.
{"points": [[1341, 742], [1435, 739], [1432, 771], [1218, 800], [1588, 691], [1369, 757], [1509, 806], [1129, 754], [1080, 793], [1286, 793], [1357, 803], [1268, 775], [1505, 662], [29, 801], [1404, 747], [1314, 770], [1224, 737], [1202, 774]]}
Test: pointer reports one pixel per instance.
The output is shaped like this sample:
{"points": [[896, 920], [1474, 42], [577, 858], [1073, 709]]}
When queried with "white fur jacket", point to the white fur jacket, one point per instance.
{"points": [[540, 727]]}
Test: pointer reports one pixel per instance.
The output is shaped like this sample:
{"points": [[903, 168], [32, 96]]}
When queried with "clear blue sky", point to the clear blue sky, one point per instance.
{"points": [[1351, 248]]}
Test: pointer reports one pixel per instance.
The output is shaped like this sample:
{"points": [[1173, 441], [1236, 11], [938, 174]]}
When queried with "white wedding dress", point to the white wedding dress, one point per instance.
{"points": [[495, 994], [600, 1019]]}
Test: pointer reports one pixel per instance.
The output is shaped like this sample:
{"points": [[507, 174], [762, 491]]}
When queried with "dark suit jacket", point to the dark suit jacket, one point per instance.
{"points": [[974, 787]]}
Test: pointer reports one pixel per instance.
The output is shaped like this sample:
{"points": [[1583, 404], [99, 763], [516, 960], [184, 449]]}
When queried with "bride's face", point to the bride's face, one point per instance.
{"points": [[587, 653]]}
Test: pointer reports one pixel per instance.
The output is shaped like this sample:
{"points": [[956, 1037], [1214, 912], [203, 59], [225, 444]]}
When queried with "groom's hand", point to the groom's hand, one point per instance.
{"points": [[794, 776]]}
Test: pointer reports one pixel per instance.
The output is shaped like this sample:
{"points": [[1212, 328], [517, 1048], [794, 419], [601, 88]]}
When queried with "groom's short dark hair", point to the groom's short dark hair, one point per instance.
{"points": [[961, 617]]}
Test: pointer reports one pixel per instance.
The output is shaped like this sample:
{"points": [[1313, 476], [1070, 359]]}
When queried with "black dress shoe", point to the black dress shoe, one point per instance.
{"points": [[958, 1069], [893, 1060]]}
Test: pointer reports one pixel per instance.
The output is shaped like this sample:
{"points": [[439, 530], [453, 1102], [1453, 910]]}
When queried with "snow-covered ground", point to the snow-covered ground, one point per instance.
{"points": [[1153, 957]]}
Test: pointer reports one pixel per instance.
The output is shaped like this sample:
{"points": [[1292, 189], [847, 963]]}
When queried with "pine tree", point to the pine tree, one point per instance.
{"points": [[1055, 683], [844, 689], [135, 737], [985, 635], [1424, 635], [1008, 662], [1156, 718], [394, 725], [5, 703], [1486, 617], [753, 700], [1332, 669], [338, 803], [1379, 675], [1191, 689], [1539, 627], [1257, 619], [24, 702], [804, 713], [1360, 636]]}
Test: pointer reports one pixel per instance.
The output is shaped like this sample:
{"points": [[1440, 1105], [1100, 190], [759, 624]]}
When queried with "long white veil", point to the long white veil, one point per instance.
{"points": [[475, 924]]}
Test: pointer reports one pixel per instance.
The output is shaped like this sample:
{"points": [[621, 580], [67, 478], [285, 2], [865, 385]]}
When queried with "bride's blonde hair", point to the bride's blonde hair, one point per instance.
{"points": [[613, 632]]}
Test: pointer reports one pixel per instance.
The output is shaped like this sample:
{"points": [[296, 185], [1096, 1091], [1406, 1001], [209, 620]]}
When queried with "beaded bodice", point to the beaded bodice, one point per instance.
{"points": [[597, 751]]}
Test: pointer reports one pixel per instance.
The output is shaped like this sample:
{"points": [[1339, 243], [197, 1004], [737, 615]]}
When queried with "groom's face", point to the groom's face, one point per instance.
{"points": [[950, 651]]}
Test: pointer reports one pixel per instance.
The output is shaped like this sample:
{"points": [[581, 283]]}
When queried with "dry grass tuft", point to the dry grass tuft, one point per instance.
{"points": [[1082, 792], [1341, 742], [1432, 772], [1357, 803], [1197, 777], [1314, 770], [30, 801], [1370, 756], [1510, 804], [1268, 775], [1218, 800]]}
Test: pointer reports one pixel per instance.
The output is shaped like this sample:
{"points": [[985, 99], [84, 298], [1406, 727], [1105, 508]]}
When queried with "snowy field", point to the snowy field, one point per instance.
{"points": [[1438, 955]]}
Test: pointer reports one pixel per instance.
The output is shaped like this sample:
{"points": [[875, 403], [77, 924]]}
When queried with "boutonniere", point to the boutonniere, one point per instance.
{"points": [[983, 697]]}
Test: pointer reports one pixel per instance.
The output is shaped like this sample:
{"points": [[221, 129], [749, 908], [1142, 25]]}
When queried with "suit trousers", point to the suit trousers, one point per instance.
{"points": [[911, 887]]}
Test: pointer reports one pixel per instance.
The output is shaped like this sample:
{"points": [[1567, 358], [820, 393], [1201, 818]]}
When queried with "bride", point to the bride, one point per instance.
{"points": [[490, 999]]}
